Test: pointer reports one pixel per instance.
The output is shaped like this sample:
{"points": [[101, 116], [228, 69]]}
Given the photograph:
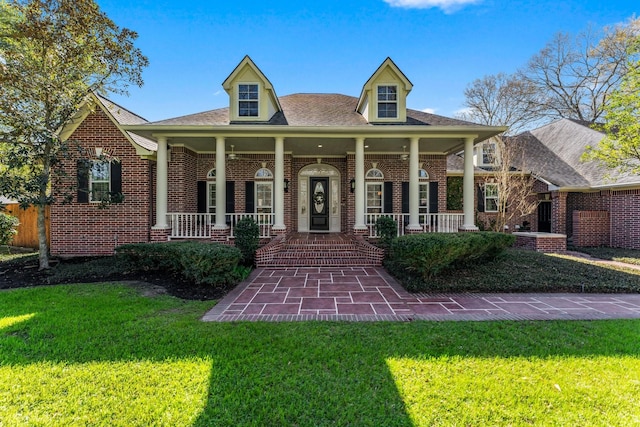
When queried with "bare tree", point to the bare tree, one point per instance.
{"points": [[574, 76], [502, 100]]}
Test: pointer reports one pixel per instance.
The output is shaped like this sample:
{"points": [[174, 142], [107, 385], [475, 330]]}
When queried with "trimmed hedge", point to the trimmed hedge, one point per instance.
{"points": [[423, 256], [8, 228], [209, 263]]}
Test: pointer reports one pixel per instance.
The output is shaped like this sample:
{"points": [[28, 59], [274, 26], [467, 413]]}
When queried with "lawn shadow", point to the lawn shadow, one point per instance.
{"points": [[312, 373]]}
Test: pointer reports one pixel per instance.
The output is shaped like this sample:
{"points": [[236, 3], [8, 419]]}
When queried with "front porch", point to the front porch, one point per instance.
{"points": [[200, 225]]}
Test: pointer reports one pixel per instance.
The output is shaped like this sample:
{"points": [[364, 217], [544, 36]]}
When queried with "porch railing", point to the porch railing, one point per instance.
{"points": [[198, 225], [430, 222]]}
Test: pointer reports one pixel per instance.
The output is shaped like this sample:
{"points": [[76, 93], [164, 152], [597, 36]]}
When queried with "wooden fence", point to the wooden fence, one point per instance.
{"points": [[27, 236]]}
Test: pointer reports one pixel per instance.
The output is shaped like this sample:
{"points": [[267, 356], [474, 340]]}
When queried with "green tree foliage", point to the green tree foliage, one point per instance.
{"points": [[620, 148], [53, 54]]}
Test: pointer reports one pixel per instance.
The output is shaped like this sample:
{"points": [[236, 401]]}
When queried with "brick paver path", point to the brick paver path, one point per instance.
{"points": [[369, 294]]}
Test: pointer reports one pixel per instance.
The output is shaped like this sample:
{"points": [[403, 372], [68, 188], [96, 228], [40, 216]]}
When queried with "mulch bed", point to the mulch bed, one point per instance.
{"points": [[21, 274]]}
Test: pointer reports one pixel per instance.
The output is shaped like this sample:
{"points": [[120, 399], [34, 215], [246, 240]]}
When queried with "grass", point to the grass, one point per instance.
{"points": [[103, 354], [630, 256], [528, 271]]}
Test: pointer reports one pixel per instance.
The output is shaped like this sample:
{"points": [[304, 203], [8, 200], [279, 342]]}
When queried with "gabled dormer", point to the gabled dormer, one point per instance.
{"points": [[384, 95], [251, 95]]}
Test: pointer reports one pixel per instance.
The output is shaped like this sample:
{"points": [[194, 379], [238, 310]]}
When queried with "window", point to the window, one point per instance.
{"points": [[491, 197], [264, 173], [423, 197], [99, 181], [489, 153], [374, 197], [423, 174], [264, 197], [211, 194], [374, 173], [387, 102], [248, 100]]}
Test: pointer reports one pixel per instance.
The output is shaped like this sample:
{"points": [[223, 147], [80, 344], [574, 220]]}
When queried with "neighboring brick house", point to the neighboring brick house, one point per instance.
{"points": [[303, 163], [592, 205]]}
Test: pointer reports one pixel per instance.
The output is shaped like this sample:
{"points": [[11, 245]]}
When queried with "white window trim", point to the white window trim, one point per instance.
{"points": [[496, 198], [238, 100], [91, 181], [481, 149], [423, 209], [269, 174], [378, 101], [366, 195], [257, 206], [374, 171]]}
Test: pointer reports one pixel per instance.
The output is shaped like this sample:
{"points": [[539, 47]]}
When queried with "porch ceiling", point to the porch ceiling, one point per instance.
{"points": [[318, 146]]}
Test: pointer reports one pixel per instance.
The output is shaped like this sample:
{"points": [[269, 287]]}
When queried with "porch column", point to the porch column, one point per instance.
{"points": [[467, 187], [414, 185], [221, 185], [278, 186], [359, 190], [162, 183]]}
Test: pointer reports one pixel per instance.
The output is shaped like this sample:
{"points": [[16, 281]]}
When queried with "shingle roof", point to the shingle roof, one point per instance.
{"points": [[306, 109], [126, 117], [554, 153]]}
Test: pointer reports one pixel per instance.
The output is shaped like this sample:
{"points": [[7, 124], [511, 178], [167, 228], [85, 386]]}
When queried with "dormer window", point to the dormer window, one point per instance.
{"points": [[387, 102], [248, 101]]}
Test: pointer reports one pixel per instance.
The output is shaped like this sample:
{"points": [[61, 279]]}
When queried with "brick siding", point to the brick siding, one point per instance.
{"points": [[590, 228], [84, 228]]}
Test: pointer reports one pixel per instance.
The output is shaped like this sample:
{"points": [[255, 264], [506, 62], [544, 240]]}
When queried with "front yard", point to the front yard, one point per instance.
{"points": [[105, 354]]}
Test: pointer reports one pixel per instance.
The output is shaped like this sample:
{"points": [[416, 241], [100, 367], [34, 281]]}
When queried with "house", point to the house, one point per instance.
{"points": [[590, 204], [302, 163]]}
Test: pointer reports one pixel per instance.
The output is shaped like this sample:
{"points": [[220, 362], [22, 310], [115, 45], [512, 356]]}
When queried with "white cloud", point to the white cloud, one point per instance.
{"points": [[429, 110], [447, 6]]}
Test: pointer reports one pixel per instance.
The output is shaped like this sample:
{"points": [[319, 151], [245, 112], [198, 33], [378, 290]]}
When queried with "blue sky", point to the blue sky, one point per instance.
{"points": [[333, 46]]}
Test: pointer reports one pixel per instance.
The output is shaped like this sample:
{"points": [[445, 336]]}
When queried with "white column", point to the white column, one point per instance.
{"points": [[278, 186], [162, 183], [414, 185], [468, 187], [221, 185], [359, 190]]}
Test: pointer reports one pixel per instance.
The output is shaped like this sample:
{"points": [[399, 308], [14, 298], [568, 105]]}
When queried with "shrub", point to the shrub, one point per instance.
{"points": [[426, 255], [387, 230], [209, 263], [247, 239], [8, 228]]}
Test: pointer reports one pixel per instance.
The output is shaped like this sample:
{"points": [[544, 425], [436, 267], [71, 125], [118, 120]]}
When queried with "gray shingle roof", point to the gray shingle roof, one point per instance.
{"points": [[554, 153], [306, 109], [126, 117]]}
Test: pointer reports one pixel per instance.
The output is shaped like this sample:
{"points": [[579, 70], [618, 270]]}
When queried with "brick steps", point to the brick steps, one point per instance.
{"points": [[324, 250]]}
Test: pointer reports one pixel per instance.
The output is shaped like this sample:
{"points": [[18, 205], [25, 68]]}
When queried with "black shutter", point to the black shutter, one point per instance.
{"points": [[231, 197], [388, 197], [480, 198], [116, 177], [202, 196], [405, 197], [83, 181], [433, 197], [249, 197]]}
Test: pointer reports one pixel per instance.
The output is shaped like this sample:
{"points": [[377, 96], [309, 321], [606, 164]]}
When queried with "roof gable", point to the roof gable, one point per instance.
{"points": [[387, 74], [247, 72]]}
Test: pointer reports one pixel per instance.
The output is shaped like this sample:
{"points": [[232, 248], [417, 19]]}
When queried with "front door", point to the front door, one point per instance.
{"points": [[319, 204], [544, 217]]}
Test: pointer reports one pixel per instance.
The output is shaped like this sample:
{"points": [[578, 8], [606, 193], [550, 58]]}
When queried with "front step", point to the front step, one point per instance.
{"points": [[335, 250]]}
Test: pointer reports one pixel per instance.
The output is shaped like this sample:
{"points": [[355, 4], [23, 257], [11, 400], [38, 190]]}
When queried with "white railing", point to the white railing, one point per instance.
{"points": [[198, 225], [430, 222], [264, 221], [191, 225]]}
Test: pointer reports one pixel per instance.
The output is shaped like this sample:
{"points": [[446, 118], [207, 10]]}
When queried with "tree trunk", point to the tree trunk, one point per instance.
{"points": [[43, 248]]}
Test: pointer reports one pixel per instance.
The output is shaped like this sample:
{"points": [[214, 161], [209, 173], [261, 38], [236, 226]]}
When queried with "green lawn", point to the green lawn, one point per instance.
{"points": [[104, 354]]}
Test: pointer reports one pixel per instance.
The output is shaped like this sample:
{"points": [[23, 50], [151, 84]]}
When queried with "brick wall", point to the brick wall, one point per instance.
{"points": [[590, 228], [594, 201], [183, 187], [547, 243], [84, 228], [625, 219]]}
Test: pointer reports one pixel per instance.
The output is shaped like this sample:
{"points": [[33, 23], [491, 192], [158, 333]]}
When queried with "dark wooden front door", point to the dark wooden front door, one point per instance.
{"points": [[544, 217], [319, 204]]}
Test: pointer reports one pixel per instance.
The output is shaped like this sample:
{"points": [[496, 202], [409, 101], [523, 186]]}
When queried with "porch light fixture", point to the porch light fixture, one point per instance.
{"points": [[352, 185], [286, 185], [404, 156]]}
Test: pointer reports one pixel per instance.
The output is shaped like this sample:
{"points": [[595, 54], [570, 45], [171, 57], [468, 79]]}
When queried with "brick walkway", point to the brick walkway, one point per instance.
{"points": [[370, 294]]}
